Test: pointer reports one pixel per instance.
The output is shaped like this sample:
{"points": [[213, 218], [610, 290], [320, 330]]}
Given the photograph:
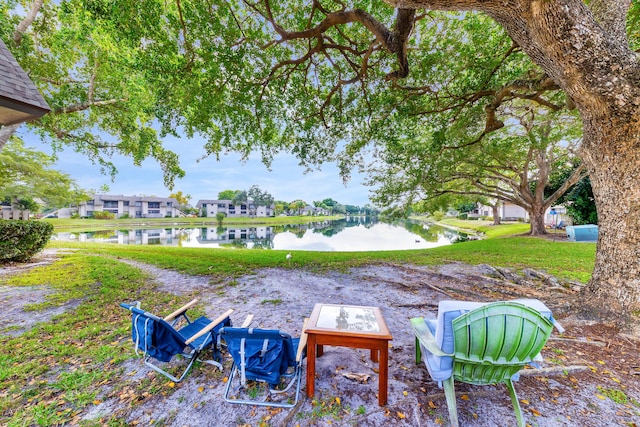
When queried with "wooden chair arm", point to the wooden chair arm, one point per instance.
{"points": [[181, 310], [303, 341], [247, 321], [210, 326]]}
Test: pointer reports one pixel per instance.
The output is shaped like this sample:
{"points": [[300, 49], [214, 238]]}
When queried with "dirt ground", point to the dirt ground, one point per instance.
{"points": [[590, 376]]}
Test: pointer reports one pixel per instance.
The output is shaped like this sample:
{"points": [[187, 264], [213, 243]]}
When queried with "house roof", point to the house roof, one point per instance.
{"points": [[19, 98]]}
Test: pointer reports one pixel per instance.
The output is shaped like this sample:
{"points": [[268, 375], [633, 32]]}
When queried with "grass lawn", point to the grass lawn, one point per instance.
{"points": [[487, 228]]}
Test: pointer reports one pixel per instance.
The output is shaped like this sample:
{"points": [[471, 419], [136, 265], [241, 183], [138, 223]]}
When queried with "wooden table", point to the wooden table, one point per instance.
{"points": [[348, 326]]}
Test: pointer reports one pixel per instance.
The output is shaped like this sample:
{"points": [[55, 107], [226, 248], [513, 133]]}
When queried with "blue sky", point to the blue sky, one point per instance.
{"points": [[205, 179]]}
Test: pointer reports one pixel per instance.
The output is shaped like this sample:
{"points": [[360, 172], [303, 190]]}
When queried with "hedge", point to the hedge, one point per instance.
{"points": [[21, 240]]}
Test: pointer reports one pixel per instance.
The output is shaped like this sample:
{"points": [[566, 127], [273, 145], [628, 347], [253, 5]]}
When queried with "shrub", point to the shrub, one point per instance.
{"points": [[220, 216], [21, 240], [462, 238], [463, 216], [437, 216], [103, 215]]}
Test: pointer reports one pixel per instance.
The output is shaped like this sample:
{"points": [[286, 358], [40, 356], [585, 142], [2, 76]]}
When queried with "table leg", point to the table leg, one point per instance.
{"points": [[320, 350], [311, 365], [374, 355], [384, 375]]}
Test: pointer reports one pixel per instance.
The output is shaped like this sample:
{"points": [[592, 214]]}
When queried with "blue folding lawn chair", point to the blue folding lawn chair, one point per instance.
{"points": [[266, 356], [157, 338]]}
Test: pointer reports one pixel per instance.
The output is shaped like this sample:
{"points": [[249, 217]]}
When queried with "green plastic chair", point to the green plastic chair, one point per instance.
{"points": [[491, 344]]}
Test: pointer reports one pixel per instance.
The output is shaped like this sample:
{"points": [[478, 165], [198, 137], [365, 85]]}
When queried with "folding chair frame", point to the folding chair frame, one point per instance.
{"points": [[189, 351]]}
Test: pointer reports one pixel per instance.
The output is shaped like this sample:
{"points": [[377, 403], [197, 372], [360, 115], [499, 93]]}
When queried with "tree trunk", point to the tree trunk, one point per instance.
{"points": [[536, 217], [496, 213], [612, 155]]}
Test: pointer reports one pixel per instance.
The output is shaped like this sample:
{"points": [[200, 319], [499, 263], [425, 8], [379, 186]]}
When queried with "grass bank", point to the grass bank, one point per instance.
{"points": [[487, 228], [88, 224]]}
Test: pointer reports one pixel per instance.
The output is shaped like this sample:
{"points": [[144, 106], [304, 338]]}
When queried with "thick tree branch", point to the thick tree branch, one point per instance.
{"points": [[563, 38], [84, 106], [612, 16], [399, 42], [6, 132], [394, 41], [27, 21], [579, 173]]}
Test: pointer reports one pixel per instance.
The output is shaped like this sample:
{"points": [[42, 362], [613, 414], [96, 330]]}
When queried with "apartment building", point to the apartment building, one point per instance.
{"points": [[210, 208], [130, 206]]}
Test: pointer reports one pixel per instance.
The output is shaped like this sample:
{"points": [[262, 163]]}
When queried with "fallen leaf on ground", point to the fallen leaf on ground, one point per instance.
{"points": [[363, 378]]}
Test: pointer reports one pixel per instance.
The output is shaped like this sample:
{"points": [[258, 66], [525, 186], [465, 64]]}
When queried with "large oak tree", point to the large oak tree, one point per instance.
{"points": [[328, 72], [585, 50], [513, 165]]}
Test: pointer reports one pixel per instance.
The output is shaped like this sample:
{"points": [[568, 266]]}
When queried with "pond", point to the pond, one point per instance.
{"points": [[348, 235]]}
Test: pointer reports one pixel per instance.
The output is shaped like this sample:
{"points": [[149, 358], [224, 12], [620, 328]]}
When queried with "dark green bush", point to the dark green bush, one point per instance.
{"points": [[21, 240]]}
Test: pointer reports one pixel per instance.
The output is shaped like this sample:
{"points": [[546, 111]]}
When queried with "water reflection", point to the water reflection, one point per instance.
{"points": [[350, 235], [348, 318]]}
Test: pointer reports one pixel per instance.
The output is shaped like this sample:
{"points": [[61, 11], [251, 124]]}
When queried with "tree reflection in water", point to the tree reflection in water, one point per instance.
{"points": [[342, 321], [365, 319]]}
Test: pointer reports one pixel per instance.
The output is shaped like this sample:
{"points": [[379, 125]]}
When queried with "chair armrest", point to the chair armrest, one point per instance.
{"points": [[303, 341], [247, 321], [210, 326], [557, 325], [426, 338], [181, 310]]}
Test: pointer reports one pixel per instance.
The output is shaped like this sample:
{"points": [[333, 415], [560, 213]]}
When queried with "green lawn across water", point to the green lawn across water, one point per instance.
{"points": [[89, 224]]}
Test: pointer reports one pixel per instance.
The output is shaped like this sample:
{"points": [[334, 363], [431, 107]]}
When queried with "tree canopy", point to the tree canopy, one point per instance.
{"points": [[27, 174], [260, 197], [181, 198], [339, 81], [85, 61], [227, 194], [512, 165]]}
